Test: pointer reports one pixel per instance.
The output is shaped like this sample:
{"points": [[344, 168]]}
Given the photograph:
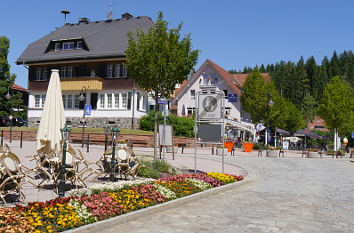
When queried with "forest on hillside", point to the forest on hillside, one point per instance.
{"points": [[303, 82]]}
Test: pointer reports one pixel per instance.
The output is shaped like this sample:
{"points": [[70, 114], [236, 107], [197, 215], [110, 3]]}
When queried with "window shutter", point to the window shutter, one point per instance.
{"points": [[94, 98], [129, 100], [137, 101], [32, 73]]}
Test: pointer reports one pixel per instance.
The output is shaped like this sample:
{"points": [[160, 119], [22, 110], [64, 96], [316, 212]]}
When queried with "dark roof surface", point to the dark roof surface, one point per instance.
{"points": [[103, 38]]}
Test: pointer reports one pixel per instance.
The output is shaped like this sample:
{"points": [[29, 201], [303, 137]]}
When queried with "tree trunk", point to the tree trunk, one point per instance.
{"points": [[155, 128]]}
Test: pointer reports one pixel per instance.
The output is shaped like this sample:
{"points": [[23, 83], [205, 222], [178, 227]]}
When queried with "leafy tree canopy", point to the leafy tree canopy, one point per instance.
{"points": [[337, 106]]}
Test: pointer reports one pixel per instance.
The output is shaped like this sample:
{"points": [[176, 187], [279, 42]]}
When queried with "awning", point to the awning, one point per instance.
{"points": [[282, 132]]}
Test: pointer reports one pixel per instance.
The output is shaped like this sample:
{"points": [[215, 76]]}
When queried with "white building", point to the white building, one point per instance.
{"points": [[212, 77]]}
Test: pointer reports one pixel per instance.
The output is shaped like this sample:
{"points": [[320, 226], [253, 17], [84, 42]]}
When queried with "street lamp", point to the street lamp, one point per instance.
{"points": [[115, 132], [106, 132], [65, 132], [8, 97], [82, 98], [270, 103]]}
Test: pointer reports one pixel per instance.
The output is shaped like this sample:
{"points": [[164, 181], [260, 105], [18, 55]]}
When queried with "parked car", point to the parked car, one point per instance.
{"points": [[4, 121], [17, 121]]}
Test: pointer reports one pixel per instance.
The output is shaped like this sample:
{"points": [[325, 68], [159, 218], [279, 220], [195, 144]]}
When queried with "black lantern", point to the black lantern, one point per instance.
{"points": [[115, 132], [82, 98], [106, 130], [65, 133], [270, 104], [8, 97]]}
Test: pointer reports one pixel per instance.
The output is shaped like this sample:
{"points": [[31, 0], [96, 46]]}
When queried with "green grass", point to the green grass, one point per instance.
{"points": [[87, 130]]}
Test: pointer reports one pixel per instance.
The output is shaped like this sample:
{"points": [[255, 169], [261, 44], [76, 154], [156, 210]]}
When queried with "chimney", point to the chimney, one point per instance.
{"points": [[84, 20], [126, 16]]}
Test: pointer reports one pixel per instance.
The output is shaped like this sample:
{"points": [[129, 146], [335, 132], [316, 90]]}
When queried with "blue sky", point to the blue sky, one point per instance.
{"points": [[232, 33]]}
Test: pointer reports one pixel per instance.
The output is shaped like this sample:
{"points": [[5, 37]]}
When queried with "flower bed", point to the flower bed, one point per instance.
{"points": [[105, 201]]}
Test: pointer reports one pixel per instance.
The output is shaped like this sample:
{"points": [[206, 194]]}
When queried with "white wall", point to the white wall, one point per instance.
{"points": [[221, 85], [138, 113]]}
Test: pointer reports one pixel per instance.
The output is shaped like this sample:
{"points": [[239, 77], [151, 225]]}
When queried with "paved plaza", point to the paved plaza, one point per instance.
{"points": [[290, 194]]}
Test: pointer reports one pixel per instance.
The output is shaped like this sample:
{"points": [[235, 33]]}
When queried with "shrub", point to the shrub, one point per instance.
{"points": [[182, 126]]}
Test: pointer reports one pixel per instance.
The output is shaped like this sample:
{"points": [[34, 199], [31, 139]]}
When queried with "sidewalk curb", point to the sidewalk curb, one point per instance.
{"points": [[108, 223]]}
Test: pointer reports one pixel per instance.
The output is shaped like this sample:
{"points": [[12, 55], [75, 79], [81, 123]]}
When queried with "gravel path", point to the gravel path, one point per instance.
{"points": [[281, 195]]}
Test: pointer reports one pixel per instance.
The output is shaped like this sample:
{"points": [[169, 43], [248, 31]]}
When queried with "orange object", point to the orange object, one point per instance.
{"points": [[247, 146], [229, 145]]}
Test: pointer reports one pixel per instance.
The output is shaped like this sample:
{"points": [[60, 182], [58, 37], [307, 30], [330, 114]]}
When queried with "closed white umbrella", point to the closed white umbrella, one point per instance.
{"points": [[53, 118]]}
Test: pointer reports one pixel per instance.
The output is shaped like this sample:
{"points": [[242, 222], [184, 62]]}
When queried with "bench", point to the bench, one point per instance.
{"points": [[351, 153], [304, 153], [137, 141], [330, 153], [281, 152], [180, 143]]}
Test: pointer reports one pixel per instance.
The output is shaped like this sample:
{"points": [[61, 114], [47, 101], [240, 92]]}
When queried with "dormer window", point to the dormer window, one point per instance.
{"points": [[79, 45], [57, 46], [68, 46]]}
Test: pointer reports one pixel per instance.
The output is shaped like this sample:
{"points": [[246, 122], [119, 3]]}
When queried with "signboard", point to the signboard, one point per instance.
{"points": [[87, 110], [285, 145], [209, 106], [209, 133], [232, 97], [161, 101], [168, 135]]}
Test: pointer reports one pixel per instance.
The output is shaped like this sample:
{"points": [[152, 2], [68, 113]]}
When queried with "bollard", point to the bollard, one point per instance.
{"points": [[2, 137], [21, 139], [88, 142]]}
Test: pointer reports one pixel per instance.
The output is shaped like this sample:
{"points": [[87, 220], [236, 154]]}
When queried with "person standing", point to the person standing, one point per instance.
{"points": [[345, 142]]}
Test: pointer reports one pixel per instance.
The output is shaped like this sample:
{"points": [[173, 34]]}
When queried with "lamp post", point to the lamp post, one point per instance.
{"points": [[270, 103], [106, 131], [65, 132], [8, 97], [115, 132], [83, 98]]}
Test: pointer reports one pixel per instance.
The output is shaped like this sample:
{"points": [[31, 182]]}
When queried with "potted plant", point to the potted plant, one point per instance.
{"points": [[229, 145], [247, 146], [313, 153], [272, 151]]}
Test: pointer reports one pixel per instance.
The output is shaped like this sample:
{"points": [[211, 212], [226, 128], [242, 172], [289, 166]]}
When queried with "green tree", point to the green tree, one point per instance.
{"points": [[160, 59], [337, 106], [254, 96], [308, 108], [6, 82]]}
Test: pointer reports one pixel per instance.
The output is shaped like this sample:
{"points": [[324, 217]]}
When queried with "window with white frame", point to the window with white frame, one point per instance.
{"points": [[125, 71], [68, 46], [38, 73], [109, 100], [117, 71], [109, 71], [43, 100], [225, 93], [57, 46], [70, 101], [76, 101], [101, 100], [37, 99], [190, 111], [44, 75], [124, 104], [145, 99], [192, 94], [70, 72], [116, 100], [64, 100], [63, 72], [79, 45], [227, 111]]}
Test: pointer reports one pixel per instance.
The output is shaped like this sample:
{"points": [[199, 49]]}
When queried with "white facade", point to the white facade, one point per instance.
{"points": [[186, 102], [110, 104]]}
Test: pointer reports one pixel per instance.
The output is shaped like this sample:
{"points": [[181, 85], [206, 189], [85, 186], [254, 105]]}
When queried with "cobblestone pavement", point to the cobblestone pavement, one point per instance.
{"points": [[290, 194], [281, 195]]}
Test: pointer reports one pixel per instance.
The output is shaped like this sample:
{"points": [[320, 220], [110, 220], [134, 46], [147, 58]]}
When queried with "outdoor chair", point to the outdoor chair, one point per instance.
{"points": [[87, 168], [11, 175]]}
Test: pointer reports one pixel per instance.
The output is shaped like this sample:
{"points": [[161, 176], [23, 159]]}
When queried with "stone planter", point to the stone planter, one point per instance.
{"points": [[272, 153], [219, 151], [313, 154]]}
